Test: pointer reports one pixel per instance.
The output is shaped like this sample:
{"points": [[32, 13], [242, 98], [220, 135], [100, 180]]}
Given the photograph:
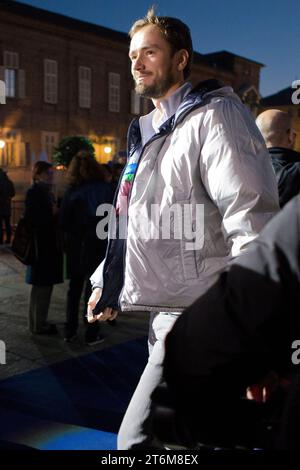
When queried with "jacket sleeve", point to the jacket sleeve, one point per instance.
{"points": [[97, 277], [288, 182], [236, 171]]}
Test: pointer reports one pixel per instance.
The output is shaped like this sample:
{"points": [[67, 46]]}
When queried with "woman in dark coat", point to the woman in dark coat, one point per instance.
{"points": [[41, 211], [87, 190]]}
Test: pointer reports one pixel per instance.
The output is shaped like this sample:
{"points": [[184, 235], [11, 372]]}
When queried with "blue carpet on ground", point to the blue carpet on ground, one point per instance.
{"points": [[75, 404]]}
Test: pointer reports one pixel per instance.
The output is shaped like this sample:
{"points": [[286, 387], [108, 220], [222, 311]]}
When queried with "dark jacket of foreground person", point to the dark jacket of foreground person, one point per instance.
{"points": [[240, 330], [286, 163]]}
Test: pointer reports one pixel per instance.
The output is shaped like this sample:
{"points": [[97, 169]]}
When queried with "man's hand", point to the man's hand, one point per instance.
{"points": [[107, 314], [260, 392], [93, 300]]}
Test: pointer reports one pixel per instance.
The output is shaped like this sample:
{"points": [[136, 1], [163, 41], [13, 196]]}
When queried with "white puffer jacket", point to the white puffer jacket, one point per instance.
{"points": [[212, 164]]}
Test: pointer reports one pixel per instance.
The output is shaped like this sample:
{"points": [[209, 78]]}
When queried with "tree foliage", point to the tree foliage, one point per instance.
{"points": [[68, 147]]}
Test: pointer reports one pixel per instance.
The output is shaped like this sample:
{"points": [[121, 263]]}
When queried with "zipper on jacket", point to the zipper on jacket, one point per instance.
{"points": [[153, 138], [114, 205], [180, 117]]}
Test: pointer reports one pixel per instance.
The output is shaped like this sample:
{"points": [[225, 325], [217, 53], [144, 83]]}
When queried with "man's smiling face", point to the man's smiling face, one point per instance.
{"points": [[153, 66]]}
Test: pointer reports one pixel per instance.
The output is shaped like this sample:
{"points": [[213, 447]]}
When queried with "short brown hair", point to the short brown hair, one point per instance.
{"points": [[175, 32], [40, 167], [84, 168]]}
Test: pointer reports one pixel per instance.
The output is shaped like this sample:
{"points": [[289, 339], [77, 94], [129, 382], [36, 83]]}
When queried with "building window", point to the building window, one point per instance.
{"points": [[135, 103], [2, 87], [85, 87], [114, 92], [11, 60], [10, 83], [11, 66], [49, 141], [50, 81], [8, 154]]}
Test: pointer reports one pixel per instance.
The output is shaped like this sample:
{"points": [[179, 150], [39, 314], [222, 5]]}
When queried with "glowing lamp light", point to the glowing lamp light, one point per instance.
{"points": [[107, 149], [2, 144]]}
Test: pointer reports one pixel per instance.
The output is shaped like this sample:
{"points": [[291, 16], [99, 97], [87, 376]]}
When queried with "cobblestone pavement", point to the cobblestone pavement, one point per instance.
{"points": [[23, 351]]}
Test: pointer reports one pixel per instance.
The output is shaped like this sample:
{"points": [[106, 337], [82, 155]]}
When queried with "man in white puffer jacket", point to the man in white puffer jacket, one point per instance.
{"points": [[197, 188]]}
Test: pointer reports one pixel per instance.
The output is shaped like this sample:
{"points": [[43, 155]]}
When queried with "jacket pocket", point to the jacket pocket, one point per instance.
{"points": [[189, 261], [191, 242]]}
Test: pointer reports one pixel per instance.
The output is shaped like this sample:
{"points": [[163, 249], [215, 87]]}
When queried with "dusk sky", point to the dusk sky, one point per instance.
{"points": [[265, 31]]}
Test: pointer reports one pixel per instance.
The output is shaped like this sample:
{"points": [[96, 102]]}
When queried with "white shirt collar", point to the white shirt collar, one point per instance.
{"points": [[169, 107]]}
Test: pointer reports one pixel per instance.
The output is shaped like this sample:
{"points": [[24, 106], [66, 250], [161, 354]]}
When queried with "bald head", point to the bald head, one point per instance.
{"points": [[276, 128]]}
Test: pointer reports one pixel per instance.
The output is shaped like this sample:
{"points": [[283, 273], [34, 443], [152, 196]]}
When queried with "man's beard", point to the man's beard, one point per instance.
{"points": [[156, 90]]}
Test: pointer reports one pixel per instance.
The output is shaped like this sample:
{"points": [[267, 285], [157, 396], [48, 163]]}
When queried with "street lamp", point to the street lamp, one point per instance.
{"points": [[2, 144], [107, 149]]}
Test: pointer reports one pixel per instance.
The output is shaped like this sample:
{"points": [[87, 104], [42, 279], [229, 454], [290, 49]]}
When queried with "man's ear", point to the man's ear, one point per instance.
{"points": [[182, 59]]}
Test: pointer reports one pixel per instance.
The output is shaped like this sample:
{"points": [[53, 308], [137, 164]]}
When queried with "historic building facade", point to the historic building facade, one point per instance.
{"points": [[66, 77]]}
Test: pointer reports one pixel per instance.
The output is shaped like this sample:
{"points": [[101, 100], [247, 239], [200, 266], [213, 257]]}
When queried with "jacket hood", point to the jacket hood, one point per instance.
{"points": [[199, 94]]}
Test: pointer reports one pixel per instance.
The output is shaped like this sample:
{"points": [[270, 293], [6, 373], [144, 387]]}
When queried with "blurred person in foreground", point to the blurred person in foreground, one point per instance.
{"points": [[243, 331]]}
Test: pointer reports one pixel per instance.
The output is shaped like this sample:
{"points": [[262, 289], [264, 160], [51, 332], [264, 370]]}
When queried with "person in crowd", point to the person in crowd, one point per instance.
{"points": [[87, 189], [117, 169], [280, 137], [198, 162], [244, 330], [107, 170], [42, 212], [7, 192]]}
